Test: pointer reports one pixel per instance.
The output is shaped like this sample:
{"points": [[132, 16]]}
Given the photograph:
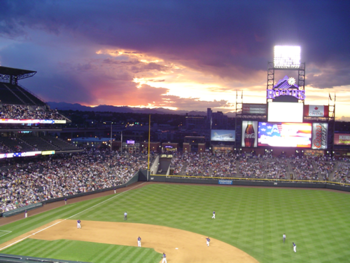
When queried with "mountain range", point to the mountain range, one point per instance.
{"points": [[123, 109]]}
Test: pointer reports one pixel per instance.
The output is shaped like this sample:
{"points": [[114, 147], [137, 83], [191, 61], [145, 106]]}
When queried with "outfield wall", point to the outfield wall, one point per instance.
{"points": [[250, 182]]}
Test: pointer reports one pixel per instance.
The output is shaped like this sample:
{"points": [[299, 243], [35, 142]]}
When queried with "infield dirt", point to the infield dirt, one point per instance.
{"points": [[191, 247]]}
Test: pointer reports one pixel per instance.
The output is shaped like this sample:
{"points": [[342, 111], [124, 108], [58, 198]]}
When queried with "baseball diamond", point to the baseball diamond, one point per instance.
{"points": [[175, 219]]}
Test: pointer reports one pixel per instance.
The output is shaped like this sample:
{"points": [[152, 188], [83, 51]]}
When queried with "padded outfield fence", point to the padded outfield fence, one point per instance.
{"points": [[250, 181]]}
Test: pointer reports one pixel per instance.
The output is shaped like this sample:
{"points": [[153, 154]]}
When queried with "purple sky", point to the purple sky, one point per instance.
{"points": [[181, 54]]}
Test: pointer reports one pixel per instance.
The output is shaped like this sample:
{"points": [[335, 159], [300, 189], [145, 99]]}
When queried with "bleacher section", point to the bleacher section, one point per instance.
{"points": [[61, 144], [40, 143], [7, 95], [34, 143], [14, 94], [16, 145]]}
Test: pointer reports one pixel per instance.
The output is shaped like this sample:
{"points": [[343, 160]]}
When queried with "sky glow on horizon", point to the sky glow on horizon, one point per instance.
{"points": [[174, 55]]}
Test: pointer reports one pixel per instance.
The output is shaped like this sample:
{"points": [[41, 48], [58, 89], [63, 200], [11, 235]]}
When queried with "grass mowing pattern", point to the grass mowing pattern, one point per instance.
{"points": [[252, 219], [84, 251]]}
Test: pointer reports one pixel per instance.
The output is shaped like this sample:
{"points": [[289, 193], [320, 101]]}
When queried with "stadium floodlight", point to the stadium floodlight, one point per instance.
{"points": [[287, 57]]}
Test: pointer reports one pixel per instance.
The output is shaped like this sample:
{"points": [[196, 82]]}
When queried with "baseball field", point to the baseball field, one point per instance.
{"points": [[176, 219]]}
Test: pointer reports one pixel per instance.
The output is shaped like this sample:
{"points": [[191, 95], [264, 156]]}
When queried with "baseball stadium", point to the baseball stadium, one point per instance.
{"points": [[272, 190]]}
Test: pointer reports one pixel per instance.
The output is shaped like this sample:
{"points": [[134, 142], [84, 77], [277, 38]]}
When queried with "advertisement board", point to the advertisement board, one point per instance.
{"points": [[254, 109], [285, 112], [223, 135], [319, 136], [284, 134], [316, 110], [249, 133], [31, 121], [341, 139]]}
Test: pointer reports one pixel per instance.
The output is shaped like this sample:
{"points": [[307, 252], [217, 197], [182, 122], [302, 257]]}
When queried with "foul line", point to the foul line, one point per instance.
{"points": [[66, 218]]}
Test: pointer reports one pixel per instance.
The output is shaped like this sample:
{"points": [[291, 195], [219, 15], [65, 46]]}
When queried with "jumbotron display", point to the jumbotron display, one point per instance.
{"points": [[285, 112], [284, 134]]}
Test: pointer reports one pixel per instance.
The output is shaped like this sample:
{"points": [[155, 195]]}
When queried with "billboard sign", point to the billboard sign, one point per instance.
{"points": [[316, 111], [287, 57], [319, 136], [225, 182], [285, 112], [223, 135], [249, 133], [341, 139], [284, 134], [31, 121], [257, 109]]}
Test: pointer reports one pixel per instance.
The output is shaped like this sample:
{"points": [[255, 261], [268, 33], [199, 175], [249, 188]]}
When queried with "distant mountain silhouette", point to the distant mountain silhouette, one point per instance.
{"points": [[126, 109]]}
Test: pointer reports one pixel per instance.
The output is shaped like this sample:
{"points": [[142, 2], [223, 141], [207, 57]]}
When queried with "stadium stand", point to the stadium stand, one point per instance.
{"points": [[26, 121], [34, 181]]}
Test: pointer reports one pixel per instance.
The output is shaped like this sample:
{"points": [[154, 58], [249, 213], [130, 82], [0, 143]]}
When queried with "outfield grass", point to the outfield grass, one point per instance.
{"points": [[252, 219]]}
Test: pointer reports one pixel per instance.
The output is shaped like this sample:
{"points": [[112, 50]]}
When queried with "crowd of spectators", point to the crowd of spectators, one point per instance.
{"points": [[342, 172], [259, 166], [71, 174], [20, 112]]}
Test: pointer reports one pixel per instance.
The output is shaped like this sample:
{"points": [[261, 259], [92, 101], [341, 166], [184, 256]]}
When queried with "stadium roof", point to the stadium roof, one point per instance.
{"points": [[16, 72]]}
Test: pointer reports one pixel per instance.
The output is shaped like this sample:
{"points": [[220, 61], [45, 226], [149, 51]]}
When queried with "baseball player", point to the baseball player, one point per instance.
{"points": [[65, 201], [125, 216], [25, 214], [164, 258], [139, 241], [284, 237], [208, 241], [78, 224], [294, 247], [213, 215]]}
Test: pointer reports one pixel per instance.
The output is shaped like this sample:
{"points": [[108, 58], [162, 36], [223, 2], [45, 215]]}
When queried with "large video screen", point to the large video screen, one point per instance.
{"points": [[223, 135], [342, 139], [285, 112], [284, 134]]}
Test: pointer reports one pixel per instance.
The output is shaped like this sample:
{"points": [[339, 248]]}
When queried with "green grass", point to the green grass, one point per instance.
{"points": [[252, 219]]}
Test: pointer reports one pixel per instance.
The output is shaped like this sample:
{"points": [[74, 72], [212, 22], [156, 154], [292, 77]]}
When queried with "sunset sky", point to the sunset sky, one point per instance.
{"points": [[181, 54]]}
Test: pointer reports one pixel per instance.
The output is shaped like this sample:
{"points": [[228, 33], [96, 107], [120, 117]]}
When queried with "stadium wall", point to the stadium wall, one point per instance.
{"points": [[250, 182]]}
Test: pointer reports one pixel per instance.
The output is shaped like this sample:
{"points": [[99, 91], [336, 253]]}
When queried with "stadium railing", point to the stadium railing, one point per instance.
{"points": [[24, 259]]}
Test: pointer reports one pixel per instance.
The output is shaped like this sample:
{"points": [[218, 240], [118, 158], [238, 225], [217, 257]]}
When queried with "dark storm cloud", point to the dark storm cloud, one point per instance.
{"points": [[229, 39]]}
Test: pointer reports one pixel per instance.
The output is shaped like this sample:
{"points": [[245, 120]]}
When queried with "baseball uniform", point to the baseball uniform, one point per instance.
{"points": [[294, 247], [25, 214], [139, 241], [125, 216], [208, 241], [78, 224], [164, 258], [213, 215], [284, 237]]}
